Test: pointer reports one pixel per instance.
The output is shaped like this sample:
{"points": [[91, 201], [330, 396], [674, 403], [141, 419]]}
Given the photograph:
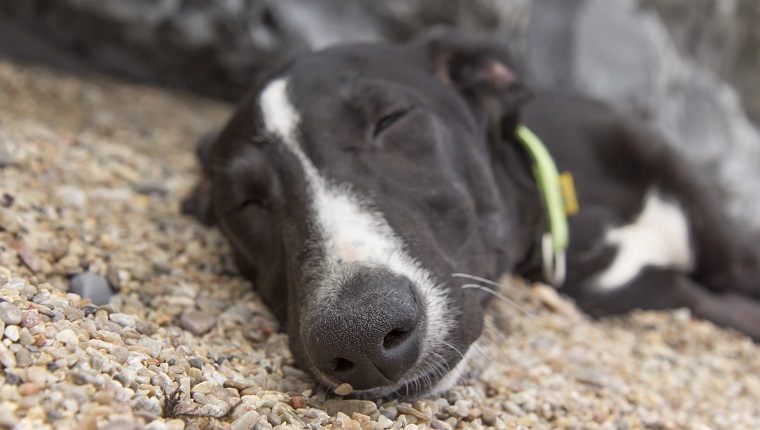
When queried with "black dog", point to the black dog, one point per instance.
{"points": [[355, 181]]}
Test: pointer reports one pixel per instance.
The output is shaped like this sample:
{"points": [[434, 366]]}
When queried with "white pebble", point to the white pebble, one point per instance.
{"points": [[68, 337], [124, 320], [12, 333]]}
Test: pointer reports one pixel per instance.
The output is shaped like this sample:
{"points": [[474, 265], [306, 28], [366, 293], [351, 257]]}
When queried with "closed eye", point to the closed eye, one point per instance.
{"points": [[252, 201], [388, 120]]}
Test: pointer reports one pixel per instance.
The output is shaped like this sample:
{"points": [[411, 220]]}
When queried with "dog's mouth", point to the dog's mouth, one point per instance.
{"points": [[427, 378]]}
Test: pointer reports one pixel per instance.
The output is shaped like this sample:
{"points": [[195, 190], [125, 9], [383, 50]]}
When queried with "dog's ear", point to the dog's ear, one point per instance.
{"points": [[198, 203], [481, 69]]}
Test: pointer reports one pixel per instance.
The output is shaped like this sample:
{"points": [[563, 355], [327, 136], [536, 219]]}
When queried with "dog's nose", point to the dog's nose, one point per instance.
{"points": [[370, 337]]}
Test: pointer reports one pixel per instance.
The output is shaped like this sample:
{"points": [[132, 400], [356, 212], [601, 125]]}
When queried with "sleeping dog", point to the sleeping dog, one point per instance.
{"points": [[353, 183]]}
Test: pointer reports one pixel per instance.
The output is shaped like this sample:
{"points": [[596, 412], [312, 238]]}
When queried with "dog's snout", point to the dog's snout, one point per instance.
{"points": [[371, 336]]}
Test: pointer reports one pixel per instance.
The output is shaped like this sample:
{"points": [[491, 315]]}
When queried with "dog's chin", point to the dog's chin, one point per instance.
{"points": [[431, 381]]}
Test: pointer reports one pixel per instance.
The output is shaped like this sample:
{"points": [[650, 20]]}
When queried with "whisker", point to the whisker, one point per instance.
{"points": [[483, 280], [506, 299], [452, 347]]}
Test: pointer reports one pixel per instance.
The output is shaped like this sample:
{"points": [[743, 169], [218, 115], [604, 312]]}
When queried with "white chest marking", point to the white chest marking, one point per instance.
{"points": [[349, 232], [659, 237]]}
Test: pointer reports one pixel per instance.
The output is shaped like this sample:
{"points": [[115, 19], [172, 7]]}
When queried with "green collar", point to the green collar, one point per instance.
{"points": [[559, 201]]}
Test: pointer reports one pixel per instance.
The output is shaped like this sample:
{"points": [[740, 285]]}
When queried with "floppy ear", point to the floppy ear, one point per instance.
{"points": [[482, 70], [198, 203]]}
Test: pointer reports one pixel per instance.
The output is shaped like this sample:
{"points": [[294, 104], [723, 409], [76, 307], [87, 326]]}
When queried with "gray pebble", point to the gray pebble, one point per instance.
{"points": [[390, 412], [7, 158], [24, 358], [196, 322], [194, 362], [12, 378], [150, 186], [93, 287], [89, 310], [9, 314]]}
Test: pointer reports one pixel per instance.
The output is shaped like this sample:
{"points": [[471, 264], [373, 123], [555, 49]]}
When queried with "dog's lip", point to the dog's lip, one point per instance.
{"points": [[421, 385]]}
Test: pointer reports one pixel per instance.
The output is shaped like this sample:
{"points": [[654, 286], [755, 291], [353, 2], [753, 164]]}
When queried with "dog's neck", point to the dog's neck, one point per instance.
{"points": [[518, 185]]}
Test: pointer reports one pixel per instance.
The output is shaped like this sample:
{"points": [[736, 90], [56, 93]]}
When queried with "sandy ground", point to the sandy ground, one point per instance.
{"points": [[92, 172]]}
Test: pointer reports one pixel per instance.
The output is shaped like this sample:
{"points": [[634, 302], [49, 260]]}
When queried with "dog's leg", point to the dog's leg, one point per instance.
{"points": [[665, 289]]}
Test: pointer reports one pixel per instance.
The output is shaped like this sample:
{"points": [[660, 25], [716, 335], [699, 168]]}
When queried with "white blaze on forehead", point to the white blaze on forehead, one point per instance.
{"points": [[348, 231], [659, 237]]}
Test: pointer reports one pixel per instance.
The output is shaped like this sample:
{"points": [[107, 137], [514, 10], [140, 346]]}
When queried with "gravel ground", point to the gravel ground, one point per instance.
{"points": [[91, 174]]}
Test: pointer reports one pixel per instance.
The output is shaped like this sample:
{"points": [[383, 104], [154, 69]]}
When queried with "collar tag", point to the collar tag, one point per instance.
{"points": [[559, 200]]}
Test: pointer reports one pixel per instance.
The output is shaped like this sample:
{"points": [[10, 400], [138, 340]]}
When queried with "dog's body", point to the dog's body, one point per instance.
{"points": [[354, 182]]}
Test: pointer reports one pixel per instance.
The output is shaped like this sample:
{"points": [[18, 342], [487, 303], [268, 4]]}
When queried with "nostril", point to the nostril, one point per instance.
{"points": [[342, 365], [396, 337]]}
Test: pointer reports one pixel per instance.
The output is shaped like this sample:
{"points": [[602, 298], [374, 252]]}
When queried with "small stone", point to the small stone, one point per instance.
{"points": [[389, 412], [12, 378], [24, 358], [68, 337], [194, 362], [93, 287], [124, 320], [385, 421], [297, 402], [422, 416], [489, 416], [112, 276], [245, 421], [72, 196], [10, 314], [12, 333], [344, 389], [9, 221], [25, 338], [440, 425], [7, 358], [30, 319], [29, 388], [196, 322], [203, 387], [89, 310], [348, 407], [150, 186]]}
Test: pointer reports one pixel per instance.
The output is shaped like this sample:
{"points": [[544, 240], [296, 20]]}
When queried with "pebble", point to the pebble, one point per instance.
{"points": [[8, 221], [12, 332], [29, 388], [194, 362], [89, 310], [197, 322], [349, 407], [246, 421], [124, 320], [9, 314], [68, 337], [93, 287], [343, 389]]}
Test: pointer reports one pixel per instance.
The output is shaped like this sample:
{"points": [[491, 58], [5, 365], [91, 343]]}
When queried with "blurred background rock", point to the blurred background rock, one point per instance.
{"points": [[687, 67]]}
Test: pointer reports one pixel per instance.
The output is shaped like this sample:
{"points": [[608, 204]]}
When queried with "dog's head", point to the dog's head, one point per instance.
{"points": [[354, 182]]}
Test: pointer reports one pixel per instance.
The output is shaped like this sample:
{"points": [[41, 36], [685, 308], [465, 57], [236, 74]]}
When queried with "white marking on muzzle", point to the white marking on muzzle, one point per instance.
{"points": [[659, 237], [349, 232]]}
